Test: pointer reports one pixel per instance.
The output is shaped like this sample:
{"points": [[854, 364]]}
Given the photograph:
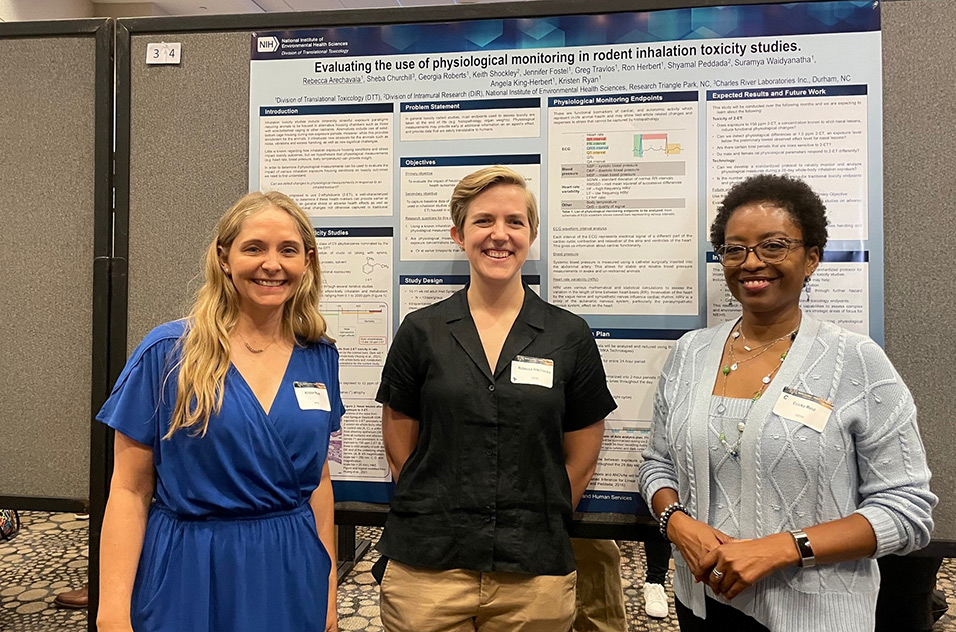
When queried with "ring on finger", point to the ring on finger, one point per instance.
{"points": [[718, 575]]}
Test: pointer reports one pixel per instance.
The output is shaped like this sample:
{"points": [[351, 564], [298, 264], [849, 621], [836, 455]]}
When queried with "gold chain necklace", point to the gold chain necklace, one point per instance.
{"points": [[250, 347], [739, 331]]}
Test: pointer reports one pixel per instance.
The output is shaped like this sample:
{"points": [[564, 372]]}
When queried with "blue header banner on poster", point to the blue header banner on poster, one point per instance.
{"points": [[487, 104], [613, 502], [846, 256], [787, 93], [331, 233], [455, 279], [637, 334], [468, 161], [306, 110], [572, 30], [622, 99], [442, 279], [829, 256]]}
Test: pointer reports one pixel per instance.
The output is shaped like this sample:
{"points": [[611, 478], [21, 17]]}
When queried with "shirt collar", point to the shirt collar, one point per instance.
{"points": [[529, 323], [532, 311]]}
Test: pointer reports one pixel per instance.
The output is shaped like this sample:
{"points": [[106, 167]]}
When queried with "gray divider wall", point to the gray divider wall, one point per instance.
{"points": [[189, 144], [46, 232], [919, 221]]}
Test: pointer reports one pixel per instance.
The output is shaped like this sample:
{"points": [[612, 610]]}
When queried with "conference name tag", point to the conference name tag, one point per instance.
{"points": [[535, 371], [804, 408], [312, 396]]}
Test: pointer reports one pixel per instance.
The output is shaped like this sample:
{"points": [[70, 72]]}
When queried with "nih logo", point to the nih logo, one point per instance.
{"points": [[267, 44]]}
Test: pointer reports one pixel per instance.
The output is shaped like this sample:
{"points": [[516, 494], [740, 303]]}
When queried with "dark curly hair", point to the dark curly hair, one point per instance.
{"points": [[792, 194]]}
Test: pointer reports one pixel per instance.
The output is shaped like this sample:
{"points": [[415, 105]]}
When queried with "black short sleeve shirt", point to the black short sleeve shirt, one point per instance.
{"points": [[486, 488]]}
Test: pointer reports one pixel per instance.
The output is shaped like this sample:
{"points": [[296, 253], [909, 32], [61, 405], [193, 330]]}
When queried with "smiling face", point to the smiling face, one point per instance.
{"points": [[266, 261], [497, 234], [768, 289]]}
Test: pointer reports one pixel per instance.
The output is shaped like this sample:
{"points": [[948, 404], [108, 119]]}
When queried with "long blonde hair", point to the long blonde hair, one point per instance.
{"points": [[205, 347]]}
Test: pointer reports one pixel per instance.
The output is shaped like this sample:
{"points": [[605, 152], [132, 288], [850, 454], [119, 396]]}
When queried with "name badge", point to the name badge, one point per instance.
{"points": [[535, 371], [312, 396], [804, 408]]}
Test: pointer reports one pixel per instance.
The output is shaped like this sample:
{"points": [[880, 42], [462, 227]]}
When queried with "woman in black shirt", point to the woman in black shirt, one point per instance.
{"points": [[494, 407]]}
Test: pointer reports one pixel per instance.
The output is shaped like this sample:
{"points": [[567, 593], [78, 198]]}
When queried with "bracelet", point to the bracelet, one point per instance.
{"points": [[807, 560], [669, 511]]}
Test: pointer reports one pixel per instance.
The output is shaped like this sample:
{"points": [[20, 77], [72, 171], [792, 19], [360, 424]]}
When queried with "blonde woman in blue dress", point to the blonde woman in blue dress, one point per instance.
{"points": [[220, 515]]}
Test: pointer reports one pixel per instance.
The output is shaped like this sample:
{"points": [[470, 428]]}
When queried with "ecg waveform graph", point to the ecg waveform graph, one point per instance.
{"points": [[656, 143]]}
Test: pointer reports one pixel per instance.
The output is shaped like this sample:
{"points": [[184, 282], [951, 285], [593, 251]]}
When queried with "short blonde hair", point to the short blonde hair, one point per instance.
{"points": [[472, 185]]}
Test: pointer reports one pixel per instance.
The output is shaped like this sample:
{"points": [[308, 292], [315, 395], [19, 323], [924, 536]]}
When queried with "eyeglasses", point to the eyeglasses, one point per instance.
{"points": [[768, 251]]}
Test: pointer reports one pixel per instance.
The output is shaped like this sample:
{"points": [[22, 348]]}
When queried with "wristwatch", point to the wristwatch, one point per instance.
{"points": [[807, 560]]}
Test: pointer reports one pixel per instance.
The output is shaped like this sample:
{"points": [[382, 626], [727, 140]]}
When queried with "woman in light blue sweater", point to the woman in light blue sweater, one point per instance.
{"points": [[784, 455]]}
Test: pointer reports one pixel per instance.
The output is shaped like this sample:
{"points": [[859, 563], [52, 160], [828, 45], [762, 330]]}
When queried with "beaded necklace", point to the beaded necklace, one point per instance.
{"points": [[250, 347], [734, 450]]}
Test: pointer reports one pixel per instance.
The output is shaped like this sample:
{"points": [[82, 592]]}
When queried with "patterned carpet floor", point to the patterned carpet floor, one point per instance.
{"points": [[49, 556]]}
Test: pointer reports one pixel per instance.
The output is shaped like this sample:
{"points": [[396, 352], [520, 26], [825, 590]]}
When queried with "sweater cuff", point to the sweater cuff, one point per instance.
{"points": [[652, 488], [888, 538]]}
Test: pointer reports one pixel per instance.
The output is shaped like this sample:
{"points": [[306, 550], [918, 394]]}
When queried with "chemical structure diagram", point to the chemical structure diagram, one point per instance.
{"points": [[370, 265]]}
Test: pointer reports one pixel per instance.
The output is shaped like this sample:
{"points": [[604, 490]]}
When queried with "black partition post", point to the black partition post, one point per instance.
{"points": [[72, 193], [101, 452]]}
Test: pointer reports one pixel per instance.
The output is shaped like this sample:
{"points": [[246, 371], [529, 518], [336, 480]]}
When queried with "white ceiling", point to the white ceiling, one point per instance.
{"points": [[14, 10]]}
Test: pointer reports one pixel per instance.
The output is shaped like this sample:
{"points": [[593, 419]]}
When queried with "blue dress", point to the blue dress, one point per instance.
{"points": [[230, 541]]}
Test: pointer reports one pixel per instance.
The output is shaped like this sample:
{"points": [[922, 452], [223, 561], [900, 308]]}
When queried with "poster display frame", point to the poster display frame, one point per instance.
{"points": [[601, 525], [101, 30]]}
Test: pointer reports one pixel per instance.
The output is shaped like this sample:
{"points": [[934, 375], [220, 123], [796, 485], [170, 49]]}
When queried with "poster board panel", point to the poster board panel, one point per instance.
{"points": [[628, 128], [187, 131], [48, 176]]}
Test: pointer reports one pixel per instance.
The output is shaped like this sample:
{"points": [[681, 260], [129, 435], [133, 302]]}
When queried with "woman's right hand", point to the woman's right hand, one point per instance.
{"points": [[694, 539]]}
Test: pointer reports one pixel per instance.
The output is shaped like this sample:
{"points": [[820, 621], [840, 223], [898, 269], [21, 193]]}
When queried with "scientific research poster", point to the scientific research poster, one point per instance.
{"points": [[629, 128]]}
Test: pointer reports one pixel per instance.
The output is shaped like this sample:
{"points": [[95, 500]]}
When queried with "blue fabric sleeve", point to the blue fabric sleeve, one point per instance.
{"points": [[335, 391], [135, 404]]}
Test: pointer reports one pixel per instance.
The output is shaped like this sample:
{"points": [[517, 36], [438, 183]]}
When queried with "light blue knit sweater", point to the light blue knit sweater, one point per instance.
{"points": [[869, 459]]}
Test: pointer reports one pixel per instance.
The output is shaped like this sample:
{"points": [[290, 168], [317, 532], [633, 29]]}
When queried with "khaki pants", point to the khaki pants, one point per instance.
{"points": [[600, 594], [423, 600]]}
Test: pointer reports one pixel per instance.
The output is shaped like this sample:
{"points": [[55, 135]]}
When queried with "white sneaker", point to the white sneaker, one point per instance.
{"points": [[655, 601]]}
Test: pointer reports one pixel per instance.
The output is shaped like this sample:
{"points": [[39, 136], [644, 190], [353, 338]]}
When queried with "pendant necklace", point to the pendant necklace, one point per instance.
{"points": [[738, 332], [734, 450]]}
